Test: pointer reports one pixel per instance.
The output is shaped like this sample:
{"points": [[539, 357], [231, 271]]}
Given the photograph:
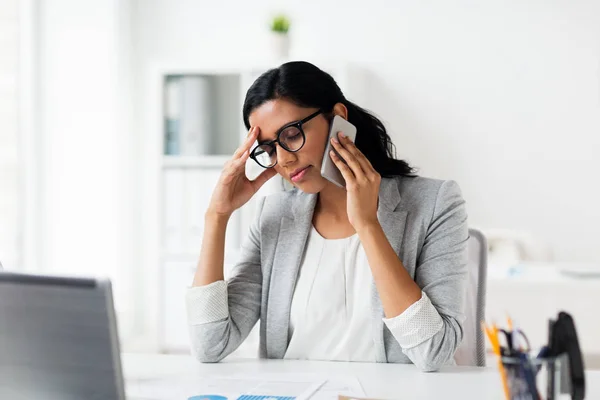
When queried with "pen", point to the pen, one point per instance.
{"points": [[492, 334], [529, 375]]}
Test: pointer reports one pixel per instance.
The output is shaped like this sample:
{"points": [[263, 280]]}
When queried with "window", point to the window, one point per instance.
{"points": [[10, 188]]}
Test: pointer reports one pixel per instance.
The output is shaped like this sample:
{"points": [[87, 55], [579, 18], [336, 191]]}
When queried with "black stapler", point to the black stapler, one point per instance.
{"points": [[563, 341]]}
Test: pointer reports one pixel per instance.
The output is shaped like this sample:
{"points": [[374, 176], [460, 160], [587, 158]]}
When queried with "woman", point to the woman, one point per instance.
{"points": [[374, 272]]}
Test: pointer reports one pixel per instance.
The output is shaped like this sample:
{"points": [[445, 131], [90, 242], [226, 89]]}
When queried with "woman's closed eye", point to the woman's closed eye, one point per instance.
{"points": [[290, 134]]}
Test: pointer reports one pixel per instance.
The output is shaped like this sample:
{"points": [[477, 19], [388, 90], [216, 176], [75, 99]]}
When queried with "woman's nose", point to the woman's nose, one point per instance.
{"points": [[285, 157]]}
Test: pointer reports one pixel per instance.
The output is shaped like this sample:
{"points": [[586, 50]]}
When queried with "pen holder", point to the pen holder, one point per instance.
{"points": [[530, 378]]}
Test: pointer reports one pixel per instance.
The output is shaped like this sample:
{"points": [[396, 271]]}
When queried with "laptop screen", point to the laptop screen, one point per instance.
{"points": [[58, 339]]}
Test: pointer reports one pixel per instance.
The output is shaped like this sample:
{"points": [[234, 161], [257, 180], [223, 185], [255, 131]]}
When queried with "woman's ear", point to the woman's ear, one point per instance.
{"points": [[341, 110]]}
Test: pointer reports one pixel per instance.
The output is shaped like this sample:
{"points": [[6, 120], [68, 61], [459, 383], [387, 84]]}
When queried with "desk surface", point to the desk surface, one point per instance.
{"points": [[382, 381]]}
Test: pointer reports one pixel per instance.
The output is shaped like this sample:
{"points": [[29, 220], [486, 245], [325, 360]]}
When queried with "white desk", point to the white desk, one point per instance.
{"points": [[382, 381]]}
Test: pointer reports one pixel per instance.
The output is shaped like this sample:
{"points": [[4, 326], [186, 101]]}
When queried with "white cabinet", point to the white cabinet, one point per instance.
{"points": [[200, 129], [173, 219], [176, 277], [186, 197]]}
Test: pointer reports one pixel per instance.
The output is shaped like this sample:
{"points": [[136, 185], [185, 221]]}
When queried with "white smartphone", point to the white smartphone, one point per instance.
{"points": [[328, 169]]}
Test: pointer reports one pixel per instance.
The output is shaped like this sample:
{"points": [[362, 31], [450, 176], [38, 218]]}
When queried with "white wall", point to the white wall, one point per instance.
{"points": [[502, 96], [85, 144]]}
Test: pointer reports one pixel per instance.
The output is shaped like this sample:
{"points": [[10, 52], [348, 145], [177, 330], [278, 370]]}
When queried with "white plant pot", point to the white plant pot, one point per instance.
{"points": [[280, 45]]}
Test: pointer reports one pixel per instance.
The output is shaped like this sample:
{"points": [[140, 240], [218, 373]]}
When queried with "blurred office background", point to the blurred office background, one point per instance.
{"points": [[116, 115]]}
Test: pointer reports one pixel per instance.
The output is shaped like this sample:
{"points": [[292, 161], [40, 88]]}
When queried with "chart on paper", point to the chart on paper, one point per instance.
{"points": [[246, 387]]}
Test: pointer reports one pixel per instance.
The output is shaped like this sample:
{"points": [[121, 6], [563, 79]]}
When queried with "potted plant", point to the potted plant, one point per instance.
{"points": [[280, 40]]}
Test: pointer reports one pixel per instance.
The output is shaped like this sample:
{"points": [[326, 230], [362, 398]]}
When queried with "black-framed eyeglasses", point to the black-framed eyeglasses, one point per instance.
{"points": [[290, 137]]}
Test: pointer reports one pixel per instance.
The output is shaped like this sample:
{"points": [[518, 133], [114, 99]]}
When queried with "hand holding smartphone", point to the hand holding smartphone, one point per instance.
{"points": [[329, 170]]}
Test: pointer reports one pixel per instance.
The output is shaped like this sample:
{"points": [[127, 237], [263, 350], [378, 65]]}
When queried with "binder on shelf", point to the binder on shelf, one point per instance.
{"points": [[195, 120], [172, 114]]}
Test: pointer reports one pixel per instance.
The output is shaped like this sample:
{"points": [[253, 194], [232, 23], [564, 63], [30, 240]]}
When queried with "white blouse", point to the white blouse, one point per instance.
{"points": [[331, 311]]}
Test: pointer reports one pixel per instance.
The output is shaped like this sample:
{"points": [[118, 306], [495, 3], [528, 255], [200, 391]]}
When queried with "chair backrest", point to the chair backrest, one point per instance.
{"points": [[472, 349]]}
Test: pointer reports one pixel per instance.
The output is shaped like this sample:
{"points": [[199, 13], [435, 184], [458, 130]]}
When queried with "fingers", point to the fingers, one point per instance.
{"points": [[263, 178], [247, 144], [358, 158], [241, 161], [238, 161], [344, 169], [235, 167], [237, 164], [364, 162], [350, 158]]}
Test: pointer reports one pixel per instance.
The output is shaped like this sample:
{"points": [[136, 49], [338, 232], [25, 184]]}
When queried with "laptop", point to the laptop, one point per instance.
{"points": [[58, 339]]}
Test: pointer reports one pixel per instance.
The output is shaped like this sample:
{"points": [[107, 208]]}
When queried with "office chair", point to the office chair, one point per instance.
{"points": [[472, 349]]}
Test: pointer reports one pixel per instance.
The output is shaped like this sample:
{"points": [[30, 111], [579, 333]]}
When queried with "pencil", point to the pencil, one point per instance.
{"points": [[504, 379], [492, 334]]}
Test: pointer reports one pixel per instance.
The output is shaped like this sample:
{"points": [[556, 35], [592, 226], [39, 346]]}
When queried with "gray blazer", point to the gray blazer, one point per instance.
{"points": [[426, 223]]}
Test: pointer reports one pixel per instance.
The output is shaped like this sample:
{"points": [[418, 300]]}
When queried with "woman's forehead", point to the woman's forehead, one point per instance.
{"points": [[274, 114]]}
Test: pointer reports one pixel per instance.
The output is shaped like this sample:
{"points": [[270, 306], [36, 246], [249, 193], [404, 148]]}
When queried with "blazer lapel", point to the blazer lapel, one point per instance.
{"points": [[291, 242], [391, 217], [393, 222]]}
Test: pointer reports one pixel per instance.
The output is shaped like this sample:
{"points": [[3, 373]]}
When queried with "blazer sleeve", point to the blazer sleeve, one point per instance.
{"points": [[431, 331], [220, 316]]}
